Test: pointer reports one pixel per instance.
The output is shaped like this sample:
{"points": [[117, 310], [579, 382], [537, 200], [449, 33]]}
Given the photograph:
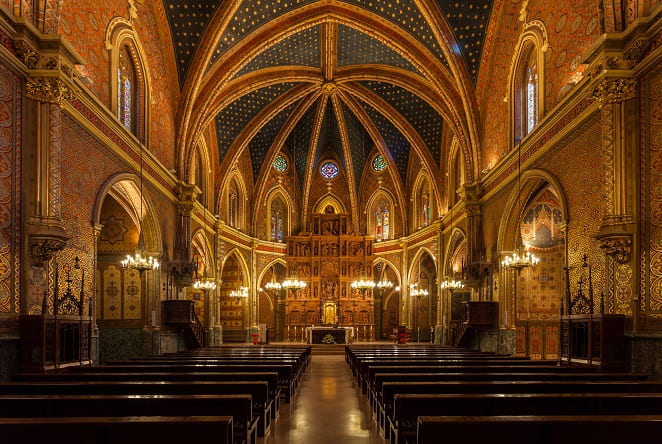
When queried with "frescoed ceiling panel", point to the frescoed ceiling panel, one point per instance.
{"points": [[250, 16], [298, 141], [469, 20], [359, 141], [300, 49], [356, 48], [261, 142], [396, 142], [234, 118], [188, 20], [417, 111]]}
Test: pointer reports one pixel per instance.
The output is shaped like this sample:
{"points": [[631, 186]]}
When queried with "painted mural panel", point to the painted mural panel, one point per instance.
{"points": [[132, 295], [112, 294]]}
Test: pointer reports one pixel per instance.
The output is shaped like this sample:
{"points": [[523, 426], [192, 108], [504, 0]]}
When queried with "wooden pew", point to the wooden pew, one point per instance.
{"points": [[258, 391], [539, 429], [390, 389], [239, 407], [65, 376], [286, 378], [380, 379], [125, 430], [408, 407]]}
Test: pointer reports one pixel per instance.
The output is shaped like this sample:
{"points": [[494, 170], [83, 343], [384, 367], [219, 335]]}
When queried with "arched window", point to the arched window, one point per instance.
{"points": [[129, 78], [382, 221], [278, 226], [233, 204], [126, 90], [425, 209], [527, 80]]}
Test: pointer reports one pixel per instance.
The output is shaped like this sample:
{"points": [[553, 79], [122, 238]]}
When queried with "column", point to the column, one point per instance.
{"points": [[620, 161]]}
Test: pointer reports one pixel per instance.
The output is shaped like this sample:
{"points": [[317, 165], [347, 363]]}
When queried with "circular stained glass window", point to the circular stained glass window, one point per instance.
{"points": [[329, 170], [378, 163], [280, 163]]}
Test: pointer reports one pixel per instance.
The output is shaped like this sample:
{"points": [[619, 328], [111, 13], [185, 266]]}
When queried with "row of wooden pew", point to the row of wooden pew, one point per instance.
{"points": [[430, 394], [228, 394]]}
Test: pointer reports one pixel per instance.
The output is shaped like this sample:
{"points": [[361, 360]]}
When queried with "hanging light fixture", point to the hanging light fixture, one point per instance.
{"points": [[449, 282], [384, 284], [242, 292], [292, 283], [273, 285], [520, 258], [363, 283], [140, 261]]}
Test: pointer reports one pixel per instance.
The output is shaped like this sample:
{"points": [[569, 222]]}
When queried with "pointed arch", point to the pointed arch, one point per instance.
{"points": [[455, 173], [531, 181], [124, 188], [329, 199], [198, 168], [200, 242], [232, 200], [526, 81], [270, 265], [457, 236], [379, 215], [129, 78], [423, 201], [243, 265], [417, 257], [389, 264], [275, 229]]}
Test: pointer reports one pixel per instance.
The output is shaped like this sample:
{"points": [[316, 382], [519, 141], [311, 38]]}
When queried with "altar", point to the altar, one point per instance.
{"points": [[341, 335]]}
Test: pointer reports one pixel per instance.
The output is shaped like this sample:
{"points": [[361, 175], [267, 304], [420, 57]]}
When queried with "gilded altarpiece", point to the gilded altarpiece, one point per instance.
{"points": [[329, 259]]}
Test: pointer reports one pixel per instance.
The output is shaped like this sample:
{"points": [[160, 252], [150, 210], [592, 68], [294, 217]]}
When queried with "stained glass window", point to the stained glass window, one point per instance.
{"points": [[531, 94], [382, 221], [126, 90], [280, 163], [329, 170], [378, 163]]}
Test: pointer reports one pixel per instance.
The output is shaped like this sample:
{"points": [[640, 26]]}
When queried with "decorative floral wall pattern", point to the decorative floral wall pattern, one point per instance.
{"points": [[10, 190]]}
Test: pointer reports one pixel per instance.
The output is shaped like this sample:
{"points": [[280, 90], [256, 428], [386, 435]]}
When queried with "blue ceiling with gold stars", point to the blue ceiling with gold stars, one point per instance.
{"points": [[298, 141], [356, 48], [262, 141], [428, 123], [236, 116], [359, 141], [188, 20], [469, 21], [300, 49], [250, 15], [395, 141]]}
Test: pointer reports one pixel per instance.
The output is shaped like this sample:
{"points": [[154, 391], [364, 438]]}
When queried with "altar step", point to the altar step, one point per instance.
{"points": [[328, 349]]}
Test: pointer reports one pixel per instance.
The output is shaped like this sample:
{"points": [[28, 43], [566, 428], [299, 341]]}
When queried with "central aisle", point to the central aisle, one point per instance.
{"points": [[328, 408]]}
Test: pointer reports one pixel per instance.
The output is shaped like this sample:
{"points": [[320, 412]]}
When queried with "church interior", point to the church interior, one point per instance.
{"points": [[449, 180]]}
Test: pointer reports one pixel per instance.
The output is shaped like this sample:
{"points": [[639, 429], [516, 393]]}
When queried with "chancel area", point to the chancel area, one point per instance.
{"points": [[305, 204]]}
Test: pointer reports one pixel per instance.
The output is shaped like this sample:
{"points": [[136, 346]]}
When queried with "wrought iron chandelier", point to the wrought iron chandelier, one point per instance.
{"points": [[384, 284], [415, 291], [273, 285], [205, 284], [520, 258], [363, 283], [242, 292], [449, 282], [140, 261]]}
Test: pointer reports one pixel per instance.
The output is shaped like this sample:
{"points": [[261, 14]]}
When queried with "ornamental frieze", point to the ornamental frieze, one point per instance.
{"points": [[610, 91], [48, 90]]}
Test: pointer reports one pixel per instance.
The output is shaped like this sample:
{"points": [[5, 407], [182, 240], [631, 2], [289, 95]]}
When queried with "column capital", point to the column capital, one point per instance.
{"points": [[614, 90]]}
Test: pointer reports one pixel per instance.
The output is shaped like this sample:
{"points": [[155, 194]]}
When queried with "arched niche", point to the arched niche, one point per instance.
{"points": [[530, 299], [329, 201], [421, 310], [279, 207], [234, 311], [198, 169], [388, 303], [380, 211], [423, 208], [125, 301], [232, 201]]}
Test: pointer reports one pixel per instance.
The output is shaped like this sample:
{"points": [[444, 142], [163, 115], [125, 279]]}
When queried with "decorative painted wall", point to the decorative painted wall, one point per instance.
{"points": [[10, 192]]}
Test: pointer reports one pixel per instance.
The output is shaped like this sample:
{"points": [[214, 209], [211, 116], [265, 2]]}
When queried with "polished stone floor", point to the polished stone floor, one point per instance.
{"points": [[328, 408]]}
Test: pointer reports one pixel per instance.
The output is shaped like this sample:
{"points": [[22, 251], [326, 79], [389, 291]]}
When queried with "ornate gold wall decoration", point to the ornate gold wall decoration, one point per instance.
{"points": [[28, 55], [618, 248], [617, 90], [48, 90]]}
